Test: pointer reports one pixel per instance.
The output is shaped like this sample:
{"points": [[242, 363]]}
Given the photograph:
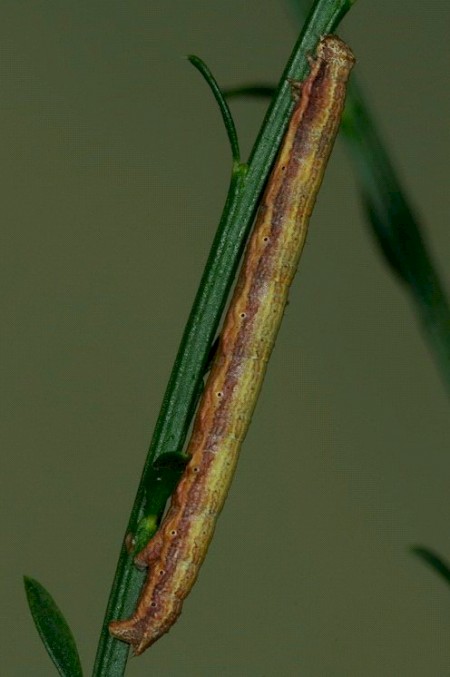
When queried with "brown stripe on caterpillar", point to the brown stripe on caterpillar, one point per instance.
{"points": [[174, 555]]}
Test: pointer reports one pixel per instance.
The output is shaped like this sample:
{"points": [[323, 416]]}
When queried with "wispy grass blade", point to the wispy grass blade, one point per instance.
{"points": [[227, 118], [53, 629], [396, 228]]}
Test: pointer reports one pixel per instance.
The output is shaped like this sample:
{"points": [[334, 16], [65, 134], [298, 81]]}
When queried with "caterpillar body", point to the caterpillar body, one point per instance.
{"points": [[174, 555]]}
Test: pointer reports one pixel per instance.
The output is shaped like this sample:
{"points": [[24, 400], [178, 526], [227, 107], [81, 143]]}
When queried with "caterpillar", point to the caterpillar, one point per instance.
{"points": [[174, 555]]}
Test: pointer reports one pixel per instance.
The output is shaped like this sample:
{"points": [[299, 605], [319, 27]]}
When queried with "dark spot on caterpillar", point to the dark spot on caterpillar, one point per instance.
{"points": [[173, 532], [243, 315], [220, 393]]}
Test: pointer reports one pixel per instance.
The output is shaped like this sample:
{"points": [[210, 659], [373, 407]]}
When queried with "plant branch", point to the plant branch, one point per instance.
{"points": [[186, 379]]}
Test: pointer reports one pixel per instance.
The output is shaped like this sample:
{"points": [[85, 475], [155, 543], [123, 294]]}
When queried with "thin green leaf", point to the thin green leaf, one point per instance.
{"points": [[433, 560], [396, 228], [53, 629], [224, 109]]}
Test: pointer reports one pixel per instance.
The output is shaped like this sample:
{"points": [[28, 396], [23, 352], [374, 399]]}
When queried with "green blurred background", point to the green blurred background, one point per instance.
{"points": [[114, 169]]}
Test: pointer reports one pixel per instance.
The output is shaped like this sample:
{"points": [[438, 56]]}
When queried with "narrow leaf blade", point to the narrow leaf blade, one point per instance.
{"points": [[434, 561], [397, 229], [53, 629]]}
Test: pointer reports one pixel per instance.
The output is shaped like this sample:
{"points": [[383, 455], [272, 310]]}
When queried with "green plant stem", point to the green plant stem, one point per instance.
{"points": [[172, 425], [186, 378]]}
